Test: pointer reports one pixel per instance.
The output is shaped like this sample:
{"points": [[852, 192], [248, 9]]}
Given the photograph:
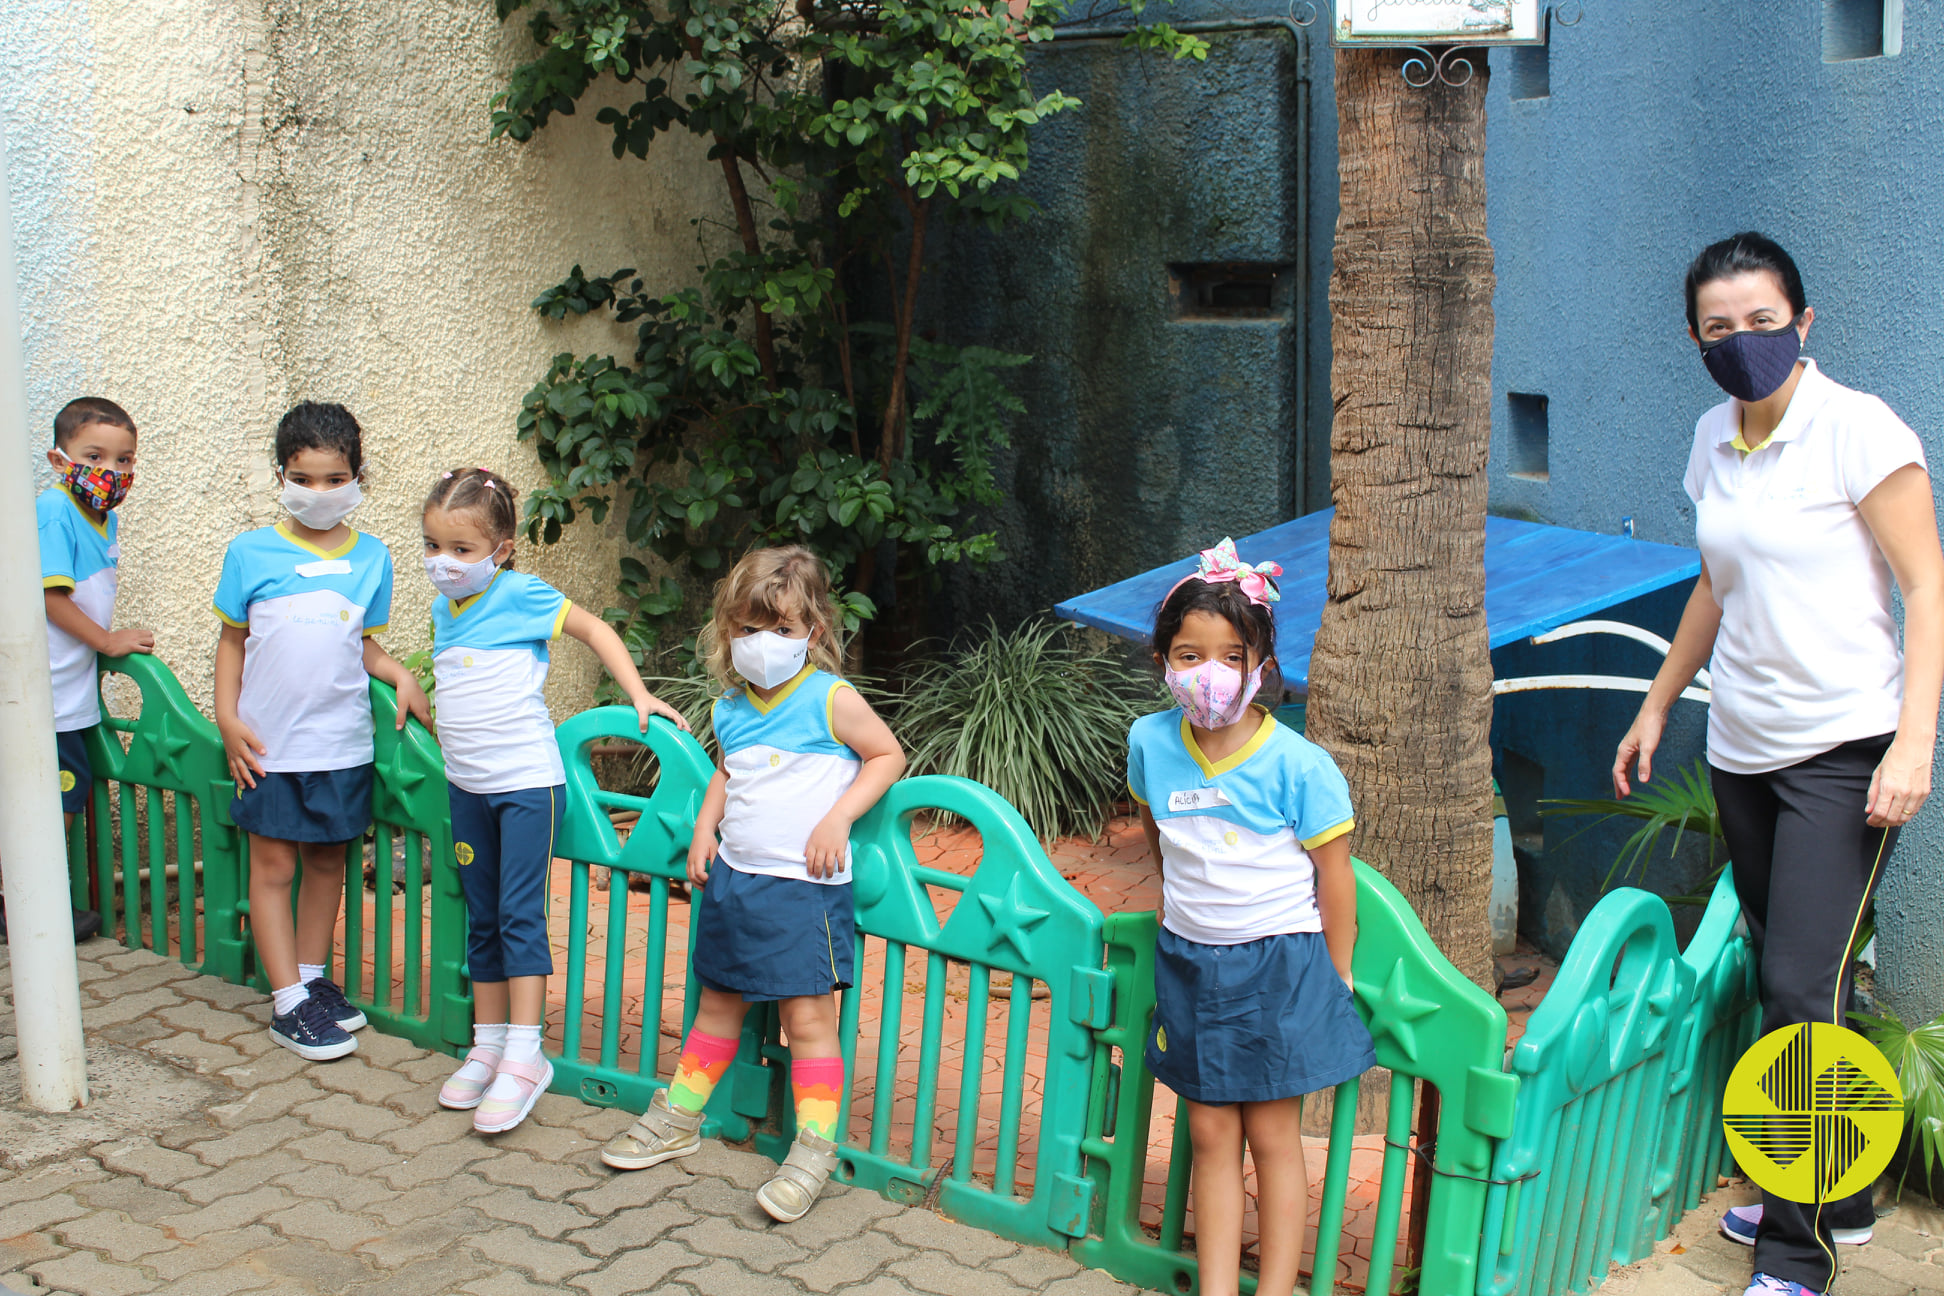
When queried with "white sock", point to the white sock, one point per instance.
{"points": [[309, 972], [523, 1044], [490, 1036], [287, 999]]}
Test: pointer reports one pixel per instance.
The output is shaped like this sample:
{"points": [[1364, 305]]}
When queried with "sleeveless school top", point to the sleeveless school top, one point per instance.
{"points": [[786, 770]]}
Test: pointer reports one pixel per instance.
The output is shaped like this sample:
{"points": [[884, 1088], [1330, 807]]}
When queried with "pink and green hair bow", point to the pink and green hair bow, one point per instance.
{"points": [[1222, 564]]}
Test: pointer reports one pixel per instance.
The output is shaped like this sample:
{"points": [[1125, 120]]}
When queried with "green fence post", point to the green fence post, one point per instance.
{"points": [[656, 848], [1594, 1066], [1015, 915], [171, 749]]}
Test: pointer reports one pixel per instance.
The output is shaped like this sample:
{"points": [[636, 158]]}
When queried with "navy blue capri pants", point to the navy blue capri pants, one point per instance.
{"points": [[503, 842]]}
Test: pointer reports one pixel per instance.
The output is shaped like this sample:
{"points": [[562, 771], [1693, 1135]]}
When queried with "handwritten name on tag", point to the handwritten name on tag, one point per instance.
{"points": [[1192, 799], [325, 567]]}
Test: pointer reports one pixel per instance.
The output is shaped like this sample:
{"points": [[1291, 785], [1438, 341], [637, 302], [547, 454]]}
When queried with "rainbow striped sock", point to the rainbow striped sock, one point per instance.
{"points": [[818, 1084], [705, 1058]]}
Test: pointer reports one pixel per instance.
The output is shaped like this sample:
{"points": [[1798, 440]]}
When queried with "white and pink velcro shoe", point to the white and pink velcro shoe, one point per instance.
{"points": [[514, 1090]]}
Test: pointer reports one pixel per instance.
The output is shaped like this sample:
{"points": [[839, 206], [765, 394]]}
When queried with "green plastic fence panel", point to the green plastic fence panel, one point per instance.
{"points": [[1724, 1020], [407, 972], [159, 806], [1429, 1024], [1578, 1189], [656, 848], [1014, 915]]}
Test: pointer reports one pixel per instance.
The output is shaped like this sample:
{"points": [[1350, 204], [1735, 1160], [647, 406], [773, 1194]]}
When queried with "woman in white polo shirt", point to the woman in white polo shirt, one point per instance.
{"points": [[1809, 499]]}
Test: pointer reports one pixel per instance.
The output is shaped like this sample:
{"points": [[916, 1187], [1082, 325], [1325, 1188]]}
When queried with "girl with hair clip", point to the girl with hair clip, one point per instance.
{"points": [[1250, 823], [490, 633], [803, 756]]}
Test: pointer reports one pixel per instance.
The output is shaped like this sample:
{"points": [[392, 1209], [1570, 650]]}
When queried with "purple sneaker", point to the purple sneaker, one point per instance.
{"points": [[1741, 1223]]}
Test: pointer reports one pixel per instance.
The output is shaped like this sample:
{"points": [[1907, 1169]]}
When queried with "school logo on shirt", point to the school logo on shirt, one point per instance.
{"points": [[1160, 1039], [465, 661], [462, 852], [67, 780], [775, 760], [1231, 837], [344, 615]]}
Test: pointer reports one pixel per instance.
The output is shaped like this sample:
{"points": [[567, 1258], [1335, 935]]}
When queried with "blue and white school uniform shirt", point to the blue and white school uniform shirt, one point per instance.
{"points": [[305, 693], [786, 770], [1236, 833], [489, 656], [78, 554]]}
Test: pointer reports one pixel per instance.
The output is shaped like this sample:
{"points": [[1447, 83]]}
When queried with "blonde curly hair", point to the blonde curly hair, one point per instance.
{"points": [[767, 587]]}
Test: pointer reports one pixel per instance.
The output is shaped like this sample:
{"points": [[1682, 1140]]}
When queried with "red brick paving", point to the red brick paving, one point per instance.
{"points": [[1115, 872]]}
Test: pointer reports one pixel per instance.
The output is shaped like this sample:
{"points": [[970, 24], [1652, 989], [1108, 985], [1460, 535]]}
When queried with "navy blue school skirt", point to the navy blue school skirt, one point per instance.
{"points": [[1254, 1022], [767, 937], [320, 806]]}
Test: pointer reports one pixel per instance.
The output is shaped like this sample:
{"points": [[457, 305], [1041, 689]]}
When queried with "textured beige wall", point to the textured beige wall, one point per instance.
{"points": [[299, 201]]}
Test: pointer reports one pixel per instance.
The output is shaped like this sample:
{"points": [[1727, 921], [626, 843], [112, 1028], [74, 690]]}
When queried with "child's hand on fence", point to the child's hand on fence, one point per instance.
{"points": [[240, 745], [647, 704], [413, 702], [120, 643], [702, 850], [823, 854]]}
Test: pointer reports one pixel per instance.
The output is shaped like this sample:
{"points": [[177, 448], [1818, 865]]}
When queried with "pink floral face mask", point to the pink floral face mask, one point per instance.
{"points": [[1213, 695]]}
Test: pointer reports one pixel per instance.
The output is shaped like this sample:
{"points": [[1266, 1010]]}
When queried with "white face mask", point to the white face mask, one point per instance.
{"points": [[457, 580], [321, 510], [767, 659]]}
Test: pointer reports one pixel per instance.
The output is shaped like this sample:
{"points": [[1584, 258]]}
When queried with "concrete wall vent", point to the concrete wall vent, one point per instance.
{"points": [[1219, 290], [1862, 29]]}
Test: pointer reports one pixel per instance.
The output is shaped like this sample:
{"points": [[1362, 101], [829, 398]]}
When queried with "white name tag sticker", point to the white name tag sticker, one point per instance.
{"points": [[325, 567], [114, 552], [1192, 799]]}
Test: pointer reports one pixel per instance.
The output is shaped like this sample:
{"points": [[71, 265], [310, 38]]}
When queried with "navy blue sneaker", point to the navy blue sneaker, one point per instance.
{"points": [[1741, 1223], [341, 1010], [308, 1031]]}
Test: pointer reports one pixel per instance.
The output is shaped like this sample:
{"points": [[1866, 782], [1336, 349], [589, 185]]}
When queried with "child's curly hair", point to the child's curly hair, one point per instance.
{"points": [[766, 587]]}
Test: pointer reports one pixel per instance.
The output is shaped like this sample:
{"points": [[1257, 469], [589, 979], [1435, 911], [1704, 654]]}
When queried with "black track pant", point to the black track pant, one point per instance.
{"points": [[1805, 864]]}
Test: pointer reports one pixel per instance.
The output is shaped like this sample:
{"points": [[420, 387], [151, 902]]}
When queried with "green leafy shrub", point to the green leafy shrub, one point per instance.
{"points": [[1918, 1055], [1033, 716], [1684, 803]]}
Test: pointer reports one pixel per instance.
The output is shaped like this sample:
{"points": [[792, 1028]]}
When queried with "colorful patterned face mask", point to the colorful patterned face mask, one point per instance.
{"points": [[1214, 695], [99, 488]]}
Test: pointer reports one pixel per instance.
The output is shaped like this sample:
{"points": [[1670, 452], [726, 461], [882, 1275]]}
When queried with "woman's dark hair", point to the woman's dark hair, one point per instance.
{"points": [[482, 495], [1226, 600], [317, 425], [1740, 254]]}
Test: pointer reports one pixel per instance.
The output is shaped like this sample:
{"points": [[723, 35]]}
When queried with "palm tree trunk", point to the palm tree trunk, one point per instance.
{"points": [[1401, 677]]}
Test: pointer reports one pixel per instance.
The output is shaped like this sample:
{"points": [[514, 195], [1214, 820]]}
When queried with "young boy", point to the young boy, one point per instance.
{"points": [[94, 454]]}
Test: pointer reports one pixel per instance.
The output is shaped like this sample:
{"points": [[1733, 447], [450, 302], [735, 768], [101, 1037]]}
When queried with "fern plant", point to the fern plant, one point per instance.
{"points": [[1684, 803]]}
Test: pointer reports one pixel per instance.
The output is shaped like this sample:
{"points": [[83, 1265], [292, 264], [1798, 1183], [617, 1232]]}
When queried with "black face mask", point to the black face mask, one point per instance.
{"points": [[1752, 365]]}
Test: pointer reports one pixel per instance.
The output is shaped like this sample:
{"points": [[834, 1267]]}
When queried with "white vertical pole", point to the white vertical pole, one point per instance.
{"points": [[33, 853]]}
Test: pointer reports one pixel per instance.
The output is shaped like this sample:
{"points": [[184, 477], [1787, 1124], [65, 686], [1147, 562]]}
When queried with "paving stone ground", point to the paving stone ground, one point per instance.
{"points": [[211, 1162]]}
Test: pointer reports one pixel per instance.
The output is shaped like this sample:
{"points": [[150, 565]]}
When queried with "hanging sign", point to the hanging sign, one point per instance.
{"points": [[1444, 22]]}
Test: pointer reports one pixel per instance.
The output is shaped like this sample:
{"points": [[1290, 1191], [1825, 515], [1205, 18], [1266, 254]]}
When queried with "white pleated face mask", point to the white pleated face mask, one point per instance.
{"points": [[321, 510], [457, 580], [767, 659]]}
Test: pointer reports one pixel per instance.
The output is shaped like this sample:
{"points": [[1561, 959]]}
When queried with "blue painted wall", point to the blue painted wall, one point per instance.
{"points": [[1667, 128]]}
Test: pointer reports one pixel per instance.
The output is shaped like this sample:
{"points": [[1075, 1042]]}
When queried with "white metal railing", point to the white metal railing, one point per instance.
{"points": [[1618, 683]]}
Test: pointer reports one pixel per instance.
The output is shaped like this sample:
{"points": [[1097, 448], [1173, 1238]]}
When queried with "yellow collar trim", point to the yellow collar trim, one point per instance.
{"points": [[1746, 448], [1235, 758], [101, 527], [351, 542], [459, 606], [764, 708]]}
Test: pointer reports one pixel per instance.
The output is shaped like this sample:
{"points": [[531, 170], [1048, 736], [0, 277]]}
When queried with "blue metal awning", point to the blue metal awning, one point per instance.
{"points": [[1537, 578]]}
